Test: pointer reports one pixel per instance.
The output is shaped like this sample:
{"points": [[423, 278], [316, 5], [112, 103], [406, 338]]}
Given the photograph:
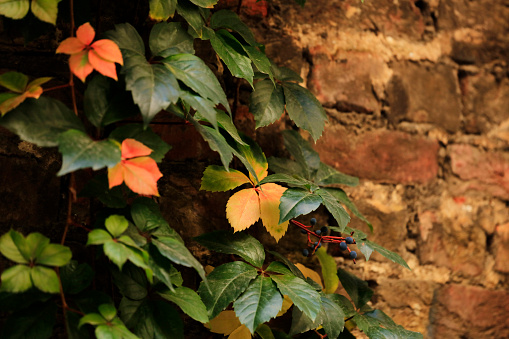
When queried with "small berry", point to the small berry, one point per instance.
{"points": [[305, 252], [353, 254], [316, 243], [349, 240], [319, 245], [343, 246], [325, 230], [313, 221], [303, 231], [318, 232]]}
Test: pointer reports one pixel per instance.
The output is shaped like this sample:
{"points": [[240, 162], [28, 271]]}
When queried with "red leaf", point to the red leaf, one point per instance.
{"points": [[132, 148], [85, 33], [141, 175], [79, 65], [71, 46], [108, 50], [104, 67]]}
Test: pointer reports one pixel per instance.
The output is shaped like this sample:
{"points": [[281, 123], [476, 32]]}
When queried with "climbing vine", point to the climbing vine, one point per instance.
{"points": [[125, 77]]}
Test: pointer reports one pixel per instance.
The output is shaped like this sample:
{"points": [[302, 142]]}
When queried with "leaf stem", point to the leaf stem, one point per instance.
{"points": [[57, 87]]}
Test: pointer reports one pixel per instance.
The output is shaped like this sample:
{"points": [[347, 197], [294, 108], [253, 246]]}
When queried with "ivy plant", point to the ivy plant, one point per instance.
{"points": [[135, 283]]}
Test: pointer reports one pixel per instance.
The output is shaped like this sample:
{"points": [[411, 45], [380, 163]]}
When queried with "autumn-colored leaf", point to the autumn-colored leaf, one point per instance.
{"points": [[18, 83], [87, 56], [243, 209], [139, 172], [228, 324], [270, 194], [309, 273]]}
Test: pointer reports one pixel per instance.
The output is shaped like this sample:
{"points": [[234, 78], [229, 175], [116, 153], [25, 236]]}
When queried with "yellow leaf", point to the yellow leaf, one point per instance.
{"points": [[270, 194], [260, 169], [309, 273], [243, 209], [240, 333], [287, 303], [225, 323]]}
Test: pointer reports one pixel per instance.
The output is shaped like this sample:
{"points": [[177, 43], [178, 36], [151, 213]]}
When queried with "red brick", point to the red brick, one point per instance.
{"points": [[380, 155], [486, 172], [469, 312]]}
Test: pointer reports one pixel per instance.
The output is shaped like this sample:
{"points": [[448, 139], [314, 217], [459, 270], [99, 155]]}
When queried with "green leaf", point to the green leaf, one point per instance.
{"points": [[367, 247], [251, 156], [33, 322], [205, 3], [92, 319], [294, 269], [131, 282], [285, 74], [33, 246], [116, 252], [286, 166], [230, 50], [304, 109], [108, 311], [267, 103], [118, 331], [292, 181], [168, 38], [226, 283], [163, 269], [376, 324], [259, 303], [356, 288], [216, 142], [193, 72], [40, 121], [150, 319], [16, 279], [264, 332], [329, 268], [189, 301], [226, 123], [338, 212], [296, 201], [14, 81], [204, 107], [71, 323], [45, 279], [98, 237], [342, 197], [9, 249], [54, 255], [344, 303], [98, 187], [106, 101], [80, 151], [76, 277], [331, 317], [260, 60], [302, 152], [116, 225], [153, 86], [238, 243], [191, 13], [327, 175], [227, 19], [144, 135], [147, 216], [217, 179], [14, 9], [46, 10], [177, 252], [162, 10], [299, 291]]}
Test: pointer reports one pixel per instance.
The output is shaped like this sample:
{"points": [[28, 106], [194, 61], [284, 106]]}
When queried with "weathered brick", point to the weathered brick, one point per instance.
{"points": [[502, 248], [486, 172], [348, 81], [380, 155], [469, 312], [425, 94]]}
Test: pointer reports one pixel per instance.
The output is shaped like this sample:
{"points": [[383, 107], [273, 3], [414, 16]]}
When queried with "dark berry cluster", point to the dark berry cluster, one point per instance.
{"points": [[322, 237]]}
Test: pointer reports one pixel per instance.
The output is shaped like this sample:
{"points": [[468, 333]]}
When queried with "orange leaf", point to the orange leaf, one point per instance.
{"points": [[132, 148], [71, 46], [108, 50], [79, 65], [116, 175], [34, 92], [243, 209], [270, 195], [141, 175], [12, 102], [260, 169], [85, 33], [104, 67]]}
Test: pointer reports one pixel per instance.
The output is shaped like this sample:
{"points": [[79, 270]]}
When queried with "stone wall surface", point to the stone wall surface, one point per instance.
{"points": [[417, 97]]}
